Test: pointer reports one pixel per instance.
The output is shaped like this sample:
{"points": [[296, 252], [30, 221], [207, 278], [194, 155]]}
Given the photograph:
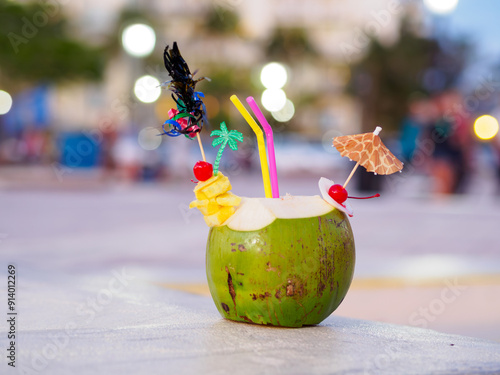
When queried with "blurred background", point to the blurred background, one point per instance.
{"points": [[80, 85], [81, 109]]}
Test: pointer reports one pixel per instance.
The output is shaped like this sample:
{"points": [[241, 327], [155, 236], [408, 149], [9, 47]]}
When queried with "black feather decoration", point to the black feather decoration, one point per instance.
{"points": [[189, 104]]}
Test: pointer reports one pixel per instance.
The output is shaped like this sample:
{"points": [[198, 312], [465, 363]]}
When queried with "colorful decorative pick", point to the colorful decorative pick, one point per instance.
{"points": [[260, 143], [224, 138], [190, 116], [270, 145], [369, 151]]}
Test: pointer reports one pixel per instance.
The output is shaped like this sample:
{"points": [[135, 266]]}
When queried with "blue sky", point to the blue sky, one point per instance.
{"points": [[479, 22], [479, 19]]}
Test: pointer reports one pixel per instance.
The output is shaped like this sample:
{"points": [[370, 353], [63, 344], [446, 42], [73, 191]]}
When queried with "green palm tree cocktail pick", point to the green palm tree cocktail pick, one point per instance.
{"points": [[224, 137]]}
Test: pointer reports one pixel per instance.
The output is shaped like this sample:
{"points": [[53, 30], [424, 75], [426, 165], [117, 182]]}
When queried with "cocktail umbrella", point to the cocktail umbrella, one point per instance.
{"points": [[369, 151]]}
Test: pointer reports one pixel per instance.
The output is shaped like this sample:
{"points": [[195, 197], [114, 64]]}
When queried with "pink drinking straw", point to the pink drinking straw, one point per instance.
{"points": [[270, 145]]}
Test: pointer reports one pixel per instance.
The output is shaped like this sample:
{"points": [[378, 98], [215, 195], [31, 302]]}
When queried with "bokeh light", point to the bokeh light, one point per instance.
{"points": [[486, 127], [138, 40], [5, 102], [286, 113], [441, 6], [273, 76], [273, 99], [147, 89], [149, 138]]}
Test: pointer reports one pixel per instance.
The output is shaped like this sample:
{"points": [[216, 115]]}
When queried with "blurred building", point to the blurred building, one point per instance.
{"points": [[329, 35], [338, 30]]}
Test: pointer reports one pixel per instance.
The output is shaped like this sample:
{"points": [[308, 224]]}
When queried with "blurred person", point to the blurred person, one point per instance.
{"points": [[452, 145], [152, 165], [494, 144], [13, 150], [496, 149], [35, 143], [127, 154], [49, 152], [180, 163], [107, 158], [419, 118]]}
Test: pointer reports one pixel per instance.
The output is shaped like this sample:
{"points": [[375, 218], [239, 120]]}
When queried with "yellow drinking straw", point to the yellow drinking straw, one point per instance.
{"points": [[260, 143]]}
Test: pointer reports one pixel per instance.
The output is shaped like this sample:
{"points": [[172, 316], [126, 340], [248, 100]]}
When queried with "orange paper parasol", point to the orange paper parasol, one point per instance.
{"points": [[369, 151]]}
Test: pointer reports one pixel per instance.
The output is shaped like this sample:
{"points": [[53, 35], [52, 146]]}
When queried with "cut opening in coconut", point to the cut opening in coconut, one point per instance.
{"points": [[257, 213]]}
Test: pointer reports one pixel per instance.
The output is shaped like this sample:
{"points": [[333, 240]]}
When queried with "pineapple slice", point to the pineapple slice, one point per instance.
{"points": [[218, 187], [219, 217], [202, 184], [200, 195], [206, 206], [197, 203], [228, 199], [214, 200]]}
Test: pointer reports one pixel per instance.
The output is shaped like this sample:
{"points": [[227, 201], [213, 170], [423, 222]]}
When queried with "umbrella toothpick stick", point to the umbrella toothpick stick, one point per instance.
{"points": [[376, 132], [201, 146], [352, 174]]}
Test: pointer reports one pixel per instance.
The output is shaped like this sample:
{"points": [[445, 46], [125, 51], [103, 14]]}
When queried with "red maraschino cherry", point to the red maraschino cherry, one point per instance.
{"points": [[338, 193], [203, 170]]}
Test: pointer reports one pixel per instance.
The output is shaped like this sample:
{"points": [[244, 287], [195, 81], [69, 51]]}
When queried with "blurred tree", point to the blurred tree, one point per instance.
{"points": [[223, 83], [387, 77], [220, 24], [221, 21], [289, 45], [35, 46], [293, 46]]}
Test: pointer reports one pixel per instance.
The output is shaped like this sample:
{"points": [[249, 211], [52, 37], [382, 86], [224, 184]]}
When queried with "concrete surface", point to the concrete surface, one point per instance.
{"points": [[79, 325], [111, 280]]}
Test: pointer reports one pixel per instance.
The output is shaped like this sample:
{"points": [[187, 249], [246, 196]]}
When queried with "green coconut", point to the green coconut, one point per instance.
{"points": [[283, 262]]}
